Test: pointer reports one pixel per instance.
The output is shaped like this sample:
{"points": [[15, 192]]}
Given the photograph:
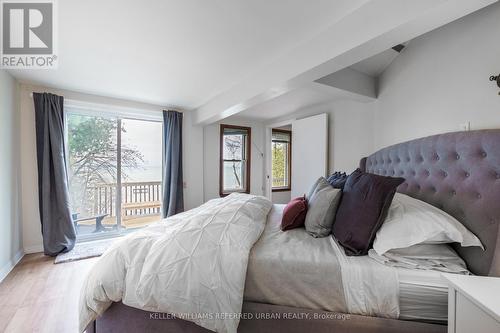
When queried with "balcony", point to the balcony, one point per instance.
{"points": [[140, 206]]}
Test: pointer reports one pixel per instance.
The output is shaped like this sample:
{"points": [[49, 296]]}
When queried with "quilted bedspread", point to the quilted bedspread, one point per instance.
{"points": [[191, 265]]}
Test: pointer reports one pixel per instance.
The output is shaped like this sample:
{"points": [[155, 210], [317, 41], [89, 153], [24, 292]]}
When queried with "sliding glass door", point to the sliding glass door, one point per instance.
{"points": [[114, 167], [140, 173]]}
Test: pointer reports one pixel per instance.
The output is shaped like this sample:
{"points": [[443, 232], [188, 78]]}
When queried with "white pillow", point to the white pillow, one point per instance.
{"points": [[411, 221]]}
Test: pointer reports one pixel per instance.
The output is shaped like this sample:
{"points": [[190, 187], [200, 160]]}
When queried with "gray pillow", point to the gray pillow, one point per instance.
{"points": [[322, 206], [311, 190]]}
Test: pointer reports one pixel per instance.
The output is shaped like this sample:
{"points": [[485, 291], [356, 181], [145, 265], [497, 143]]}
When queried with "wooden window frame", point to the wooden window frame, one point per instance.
{"points": [[248, 150], [289, 187]]}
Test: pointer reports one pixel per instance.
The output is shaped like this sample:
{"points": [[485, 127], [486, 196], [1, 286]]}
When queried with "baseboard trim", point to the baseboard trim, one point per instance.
{"points": [[5, 270], [33, 249]]}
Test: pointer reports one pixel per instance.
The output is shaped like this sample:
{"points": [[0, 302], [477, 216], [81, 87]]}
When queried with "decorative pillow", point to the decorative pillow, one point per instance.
{"points": [[338, 179], [322, 206], [313, 187], [411, 221], [363, 208], [294, 214]]}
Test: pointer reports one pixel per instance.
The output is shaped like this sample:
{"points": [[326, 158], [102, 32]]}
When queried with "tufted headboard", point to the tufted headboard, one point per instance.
{"points": [[458, 173]]}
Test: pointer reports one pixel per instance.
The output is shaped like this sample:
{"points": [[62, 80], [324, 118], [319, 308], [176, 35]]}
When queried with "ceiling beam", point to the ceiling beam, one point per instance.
{"points": [[352, 81], [374, 27]]}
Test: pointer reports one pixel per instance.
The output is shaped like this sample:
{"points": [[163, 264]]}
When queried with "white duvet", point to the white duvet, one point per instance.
{"points": [[192, 265]]}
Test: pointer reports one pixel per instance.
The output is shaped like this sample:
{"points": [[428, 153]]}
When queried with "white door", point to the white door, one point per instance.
{"points": [[309, 152]]}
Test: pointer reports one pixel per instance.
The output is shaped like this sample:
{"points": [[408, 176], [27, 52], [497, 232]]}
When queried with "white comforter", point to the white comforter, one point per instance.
{"points": [[192, 265]]}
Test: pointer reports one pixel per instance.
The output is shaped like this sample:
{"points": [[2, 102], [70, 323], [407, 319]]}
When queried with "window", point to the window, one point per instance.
{"points": [[234, 175], [114, 167], [281, 160]]}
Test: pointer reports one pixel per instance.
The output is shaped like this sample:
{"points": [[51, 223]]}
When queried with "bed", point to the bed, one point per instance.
{"points": [[456, 172]]}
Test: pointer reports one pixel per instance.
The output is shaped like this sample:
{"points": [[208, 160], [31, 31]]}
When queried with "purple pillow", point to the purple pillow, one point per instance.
{"points": [[365, 201], [294, 214]]}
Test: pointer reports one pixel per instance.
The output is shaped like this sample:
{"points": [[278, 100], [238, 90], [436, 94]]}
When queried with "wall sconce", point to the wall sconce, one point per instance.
{"points": [[497, 79]]}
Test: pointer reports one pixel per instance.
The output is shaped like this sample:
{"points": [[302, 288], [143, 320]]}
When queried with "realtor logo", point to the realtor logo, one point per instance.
{"points": [[28, 31]]}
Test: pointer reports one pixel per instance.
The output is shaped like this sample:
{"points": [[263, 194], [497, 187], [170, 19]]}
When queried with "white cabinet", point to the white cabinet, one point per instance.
{"points": [[473, 304]]}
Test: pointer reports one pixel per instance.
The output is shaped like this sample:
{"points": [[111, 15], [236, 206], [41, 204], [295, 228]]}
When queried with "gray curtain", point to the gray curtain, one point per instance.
{"points": [[53, 197], [173, 193]]}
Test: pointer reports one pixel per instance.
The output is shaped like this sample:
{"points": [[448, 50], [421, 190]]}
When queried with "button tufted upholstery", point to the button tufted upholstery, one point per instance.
{"points": [[458, 173]]}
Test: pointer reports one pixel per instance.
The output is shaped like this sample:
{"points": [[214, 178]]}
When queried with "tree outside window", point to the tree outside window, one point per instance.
{"points": [[235, 159], [281, 159]]}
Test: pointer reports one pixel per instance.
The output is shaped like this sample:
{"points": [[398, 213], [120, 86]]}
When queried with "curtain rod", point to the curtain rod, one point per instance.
{"points": [[103, 109], [99, 103], [65, 99]]}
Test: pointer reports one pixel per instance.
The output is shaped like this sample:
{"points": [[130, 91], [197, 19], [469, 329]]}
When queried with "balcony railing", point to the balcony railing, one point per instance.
{"points": [[138, 199]]}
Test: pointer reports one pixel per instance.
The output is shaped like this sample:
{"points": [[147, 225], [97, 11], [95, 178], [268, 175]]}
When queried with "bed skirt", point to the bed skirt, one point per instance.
{"points": [[257, 317]]}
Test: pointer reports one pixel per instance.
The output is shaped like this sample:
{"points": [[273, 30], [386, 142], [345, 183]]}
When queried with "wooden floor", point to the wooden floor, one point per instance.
{"points": [[39, 296]]}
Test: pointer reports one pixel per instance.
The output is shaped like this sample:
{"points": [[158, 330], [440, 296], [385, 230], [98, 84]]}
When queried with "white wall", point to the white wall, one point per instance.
{"points": [[10, 213], [211, 156], [441, 80], [192, 155], [350, 132], [281, 197], [192, 162]]}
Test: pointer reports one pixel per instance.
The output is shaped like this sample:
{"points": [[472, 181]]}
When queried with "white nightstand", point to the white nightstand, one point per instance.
{"points": [[473, 304]]}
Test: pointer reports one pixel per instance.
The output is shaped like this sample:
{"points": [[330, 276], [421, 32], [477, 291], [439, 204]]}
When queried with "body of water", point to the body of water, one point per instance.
{"points": [[144, 174]]}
